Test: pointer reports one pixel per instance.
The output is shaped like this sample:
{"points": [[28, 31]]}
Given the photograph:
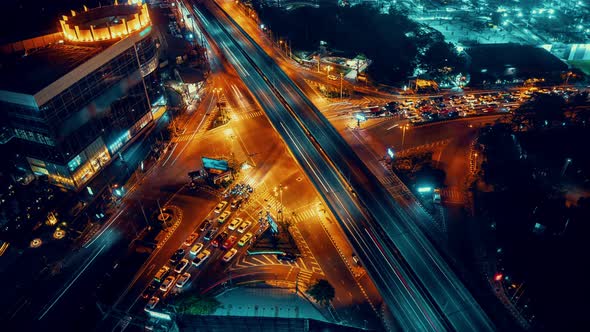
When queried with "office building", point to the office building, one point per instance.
{"points": [[73, 99]]}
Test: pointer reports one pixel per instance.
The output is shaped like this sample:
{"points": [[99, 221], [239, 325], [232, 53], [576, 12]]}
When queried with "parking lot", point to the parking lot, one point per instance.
{"points": [[439, 108]]}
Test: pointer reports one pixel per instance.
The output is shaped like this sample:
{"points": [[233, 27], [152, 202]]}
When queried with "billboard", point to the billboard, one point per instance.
{"points": [[217, 164]]}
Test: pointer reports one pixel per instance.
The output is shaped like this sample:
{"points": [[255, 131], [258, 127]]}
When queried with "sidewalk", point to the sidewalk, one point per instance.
{"points": [[266, 302]]}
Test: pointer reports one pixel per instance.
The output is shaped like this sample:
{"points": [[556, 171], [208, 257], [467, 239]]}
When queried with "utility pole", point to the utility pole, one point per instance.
{"points": [[341, 78]]}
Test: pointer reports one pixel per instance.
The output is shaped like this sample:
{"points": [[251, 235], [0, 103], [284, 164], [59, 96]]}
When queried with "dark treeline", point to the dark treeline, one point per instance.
{"points": [[395, 44]]}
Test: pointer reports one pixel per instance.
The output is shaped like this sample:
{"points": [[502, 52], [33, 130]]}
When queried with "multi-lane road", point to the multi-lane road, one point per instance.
{"points": [[418, 285]]}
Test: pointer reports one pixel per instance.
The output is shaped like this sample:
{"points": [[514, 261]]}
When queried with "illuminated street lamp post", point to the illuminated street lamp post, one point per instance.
{"points": [[319, 62], [341, 78]]}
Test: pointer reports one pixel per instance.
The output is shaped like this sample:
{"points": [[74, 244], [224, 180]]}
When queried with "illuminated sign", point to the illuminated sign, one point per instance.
{"points": [[159, 315], [424, 189], [215, 164], [273, 225], [390, 153]]}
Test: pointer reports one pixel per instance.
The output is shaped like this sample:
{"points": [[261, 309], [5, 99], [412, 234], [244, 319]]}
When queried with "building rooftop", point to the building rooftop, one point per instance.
{"points": [[31, 73]]}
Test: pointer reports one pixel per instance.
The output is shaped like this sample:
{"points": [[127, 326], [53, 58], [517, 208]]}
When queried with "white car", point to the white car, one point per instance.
{"points": [[220, 207], [223, 217], [168, 282], [244, 226], [234, 223], [196, 248], [152, 303], [184, 278], [202, 256], [229, 254], [181, 266]]}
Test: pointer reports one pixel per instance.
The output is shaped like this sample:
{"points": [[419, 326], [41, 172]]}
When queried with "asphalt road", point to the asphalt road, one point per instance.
{"points": [[413, 301]]}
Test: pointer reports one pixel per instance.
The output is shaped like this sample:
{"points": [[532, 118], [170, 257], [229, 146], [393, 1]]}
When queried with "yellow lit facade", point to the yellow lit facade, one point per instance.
{"points": [[89, 26]]}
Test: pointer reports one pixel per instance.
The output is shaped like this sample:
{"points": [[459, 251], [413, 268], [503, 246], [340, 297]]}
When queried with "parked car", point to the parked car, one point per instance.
{"points": [[223, 217], [181, 266], [183, 279], [201, 257], [236, 203], [177, 256], [152, 303], [244, 226], [168, 282], [234, 223], [220, 207], [162, 273], [229, 254], [230, 242], [245, 239], [211, 233], [206, 223], [196, 248], [219, 239], [191, 238], [150, 290]]}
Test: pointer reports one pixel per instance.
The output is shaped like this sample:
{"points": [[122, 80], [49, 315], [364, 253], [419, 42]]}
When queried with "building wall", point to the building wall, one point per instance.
{"points": [[73, 134]]}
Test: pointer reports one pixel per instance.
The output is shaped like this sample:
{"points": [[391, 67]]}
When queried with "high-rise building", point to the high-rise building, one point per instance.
{"points": [[73, 99]]}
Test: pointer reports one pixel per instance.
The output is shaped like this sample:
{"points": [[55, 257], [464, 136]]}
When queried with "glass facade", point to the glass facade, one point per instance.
{"points": [[67, 137]]}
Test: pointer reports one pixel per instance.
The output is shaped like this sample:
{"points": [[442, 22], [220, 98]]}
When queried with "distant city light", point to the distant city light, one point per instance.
{"points": [[498, 277], [423, 190], [159, 315]]}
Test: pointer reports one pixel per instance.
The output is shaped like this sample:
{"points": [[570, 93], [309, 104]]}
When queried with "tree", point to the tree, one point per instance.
{"points": [[197, 305], [322, 291]]}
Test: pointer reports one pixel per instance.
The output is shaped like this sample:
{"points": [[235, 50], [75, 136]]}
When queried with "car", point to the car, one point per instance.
{"points": [[162, 273], [196, 248], [236, 203], [167, 283], [220, 207], [183, 279], [229, 254], [245, 239], [181, 266], [234, 223], [287, 257], [206, 223], [223, 217], [219, 239], [244, 226], [230, 242], [436, 196], [177, 256], [150, 290], [201, 257], [152, 303], [191, 238], [356, 259], [211, 233]]}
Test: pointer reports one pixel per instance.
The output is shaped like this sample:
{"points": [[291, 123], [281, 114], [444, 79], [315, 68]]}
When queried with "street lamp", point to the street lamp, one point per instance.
{"points": [[328, 69], [341, 77]]}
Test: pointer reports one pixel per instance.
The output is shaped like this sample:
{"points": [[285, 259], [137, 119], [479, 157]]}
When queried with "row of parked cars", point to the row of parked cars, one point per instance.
{"points": [[437, 108], [194, 252]]}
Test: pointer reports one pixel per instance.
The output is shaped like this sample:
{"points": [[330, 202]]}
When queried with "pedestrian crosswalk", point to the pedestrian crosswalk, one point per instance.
{"points": [[452, 195], [247, 115], [188, 136], [304, 279]]}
